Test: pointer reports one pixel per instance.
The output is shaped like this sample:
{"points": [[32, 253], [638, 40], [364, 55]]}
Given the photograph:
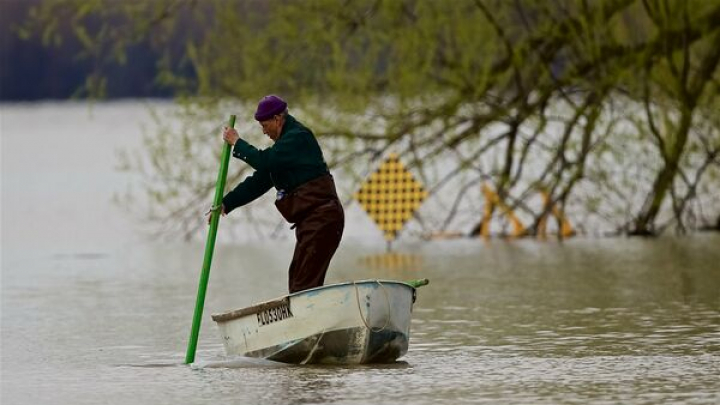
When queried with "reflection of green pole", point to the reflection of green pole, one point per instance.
{"points": [[209, 248]]}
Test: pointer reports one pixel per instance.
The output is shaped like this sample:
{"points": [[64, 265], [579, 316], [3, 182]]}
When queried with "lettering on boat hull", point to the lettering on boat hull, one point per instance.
{"points": [[274, 314]]}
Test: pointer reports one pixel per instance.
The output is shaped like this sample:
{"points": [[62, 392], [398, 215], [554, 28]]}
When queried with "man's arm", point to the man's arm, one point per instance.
{"points": [[248, 190], [277, 157]]}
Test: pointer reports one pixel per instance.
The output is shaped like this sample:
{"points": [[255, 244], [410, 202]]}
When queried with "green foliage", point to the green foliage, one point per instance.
{"points": [[524, 95]]}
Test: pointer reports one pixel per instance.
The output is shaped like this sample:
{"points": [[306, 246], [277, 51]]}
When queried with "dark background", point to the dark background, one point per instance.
{"points": [[30, 70]]}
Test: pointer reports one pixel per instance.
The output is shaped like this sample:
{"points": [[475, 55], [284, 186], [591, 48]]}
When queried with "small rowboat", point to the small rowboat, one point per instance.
{"points": [[348, 323]]}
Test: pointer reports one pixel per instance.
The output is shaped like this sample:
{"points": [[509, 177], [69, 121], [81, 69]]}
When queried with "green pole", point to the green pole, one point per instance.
{"points": [[209, 248], [418, 283]]}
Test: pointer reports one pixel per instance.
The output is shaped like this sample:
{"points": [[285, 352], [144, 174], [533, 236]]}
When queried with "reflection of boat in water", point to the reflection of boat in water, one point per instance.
{"points": [[348, 323]]}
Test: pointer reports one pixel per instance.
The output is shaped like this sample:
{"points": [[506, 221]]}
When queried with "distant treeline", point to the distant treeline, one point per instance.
{"points": [[31, 70]]}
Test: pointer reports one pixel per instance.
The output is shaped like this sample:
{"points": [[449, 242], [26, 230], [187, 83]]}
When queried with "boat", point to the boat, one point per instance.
{"points": [[355, 322]]}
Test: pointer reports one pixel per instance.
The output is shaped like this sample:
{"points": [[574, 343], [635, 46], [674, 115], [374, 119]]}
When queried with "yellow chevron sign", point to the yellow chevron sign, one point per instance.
{"points": [[390, 196]]}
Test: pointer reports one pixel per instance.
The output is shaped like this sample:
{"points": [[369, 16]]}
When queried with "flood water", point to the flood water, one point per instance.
{"points": [[94, 311]]}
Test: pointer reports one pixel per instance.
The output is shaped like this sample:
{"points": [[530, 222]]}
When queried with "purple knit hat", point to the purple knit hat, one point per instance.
{"points": [[269, 107]]}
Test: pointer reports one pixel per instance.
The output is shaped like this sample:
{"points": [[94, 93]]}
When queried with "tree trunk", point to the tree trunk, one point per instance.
{"points": [[645, 221]]}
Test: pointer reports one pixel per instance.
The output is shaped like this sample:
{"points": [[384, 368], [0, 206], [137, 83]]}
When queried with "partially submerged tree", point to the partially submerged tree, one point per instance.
{"points": [[676, 80]]}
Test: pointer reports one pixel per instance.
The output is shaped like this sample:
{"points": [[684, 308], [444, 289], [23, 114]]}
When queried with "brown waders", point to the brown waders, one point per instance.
{"points": [[318, 219]]}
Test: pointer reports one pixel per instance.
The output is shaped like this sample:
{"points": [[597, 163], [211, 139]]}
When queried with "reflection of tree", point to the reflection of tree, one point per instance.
{"points": [[687, 286], [608, 108]]}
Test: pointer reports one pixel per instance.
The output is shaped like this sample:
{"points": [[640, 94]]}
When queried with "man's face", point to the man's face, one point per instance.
{"points": [[272, 127]]}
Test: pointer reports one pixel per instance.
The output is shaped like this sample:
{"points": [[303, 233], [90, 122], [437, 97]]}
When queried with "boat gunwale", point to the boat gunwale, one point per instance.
{"points": [[285, 300]]}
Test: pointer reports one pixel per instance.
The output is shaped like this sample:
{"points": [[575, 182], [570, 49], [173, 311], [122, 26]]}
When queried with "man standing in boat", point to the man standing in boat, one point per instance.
{"points": [[306, 195]]}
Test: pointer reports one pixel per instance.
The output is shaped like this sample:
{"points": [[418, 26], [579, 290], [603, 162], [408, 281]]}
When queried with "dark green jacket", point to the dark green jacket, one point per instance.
{"points": [[293, 160]]}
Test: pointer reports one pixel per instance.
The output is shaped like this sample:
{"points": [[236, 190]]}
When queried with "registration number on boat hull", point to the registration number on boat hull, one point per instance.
{"points": [[275, 314]]}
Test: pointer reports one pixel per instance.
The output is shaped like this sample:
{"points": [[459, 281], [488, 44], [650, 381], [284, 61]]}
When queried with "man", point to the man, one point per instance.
{"points": [[306, 195]]}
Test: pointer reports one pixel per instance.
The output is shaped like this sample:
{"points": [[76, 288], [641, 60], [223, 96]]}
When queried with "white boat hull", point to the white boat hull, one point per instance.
{"points": [[349, 323]]}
